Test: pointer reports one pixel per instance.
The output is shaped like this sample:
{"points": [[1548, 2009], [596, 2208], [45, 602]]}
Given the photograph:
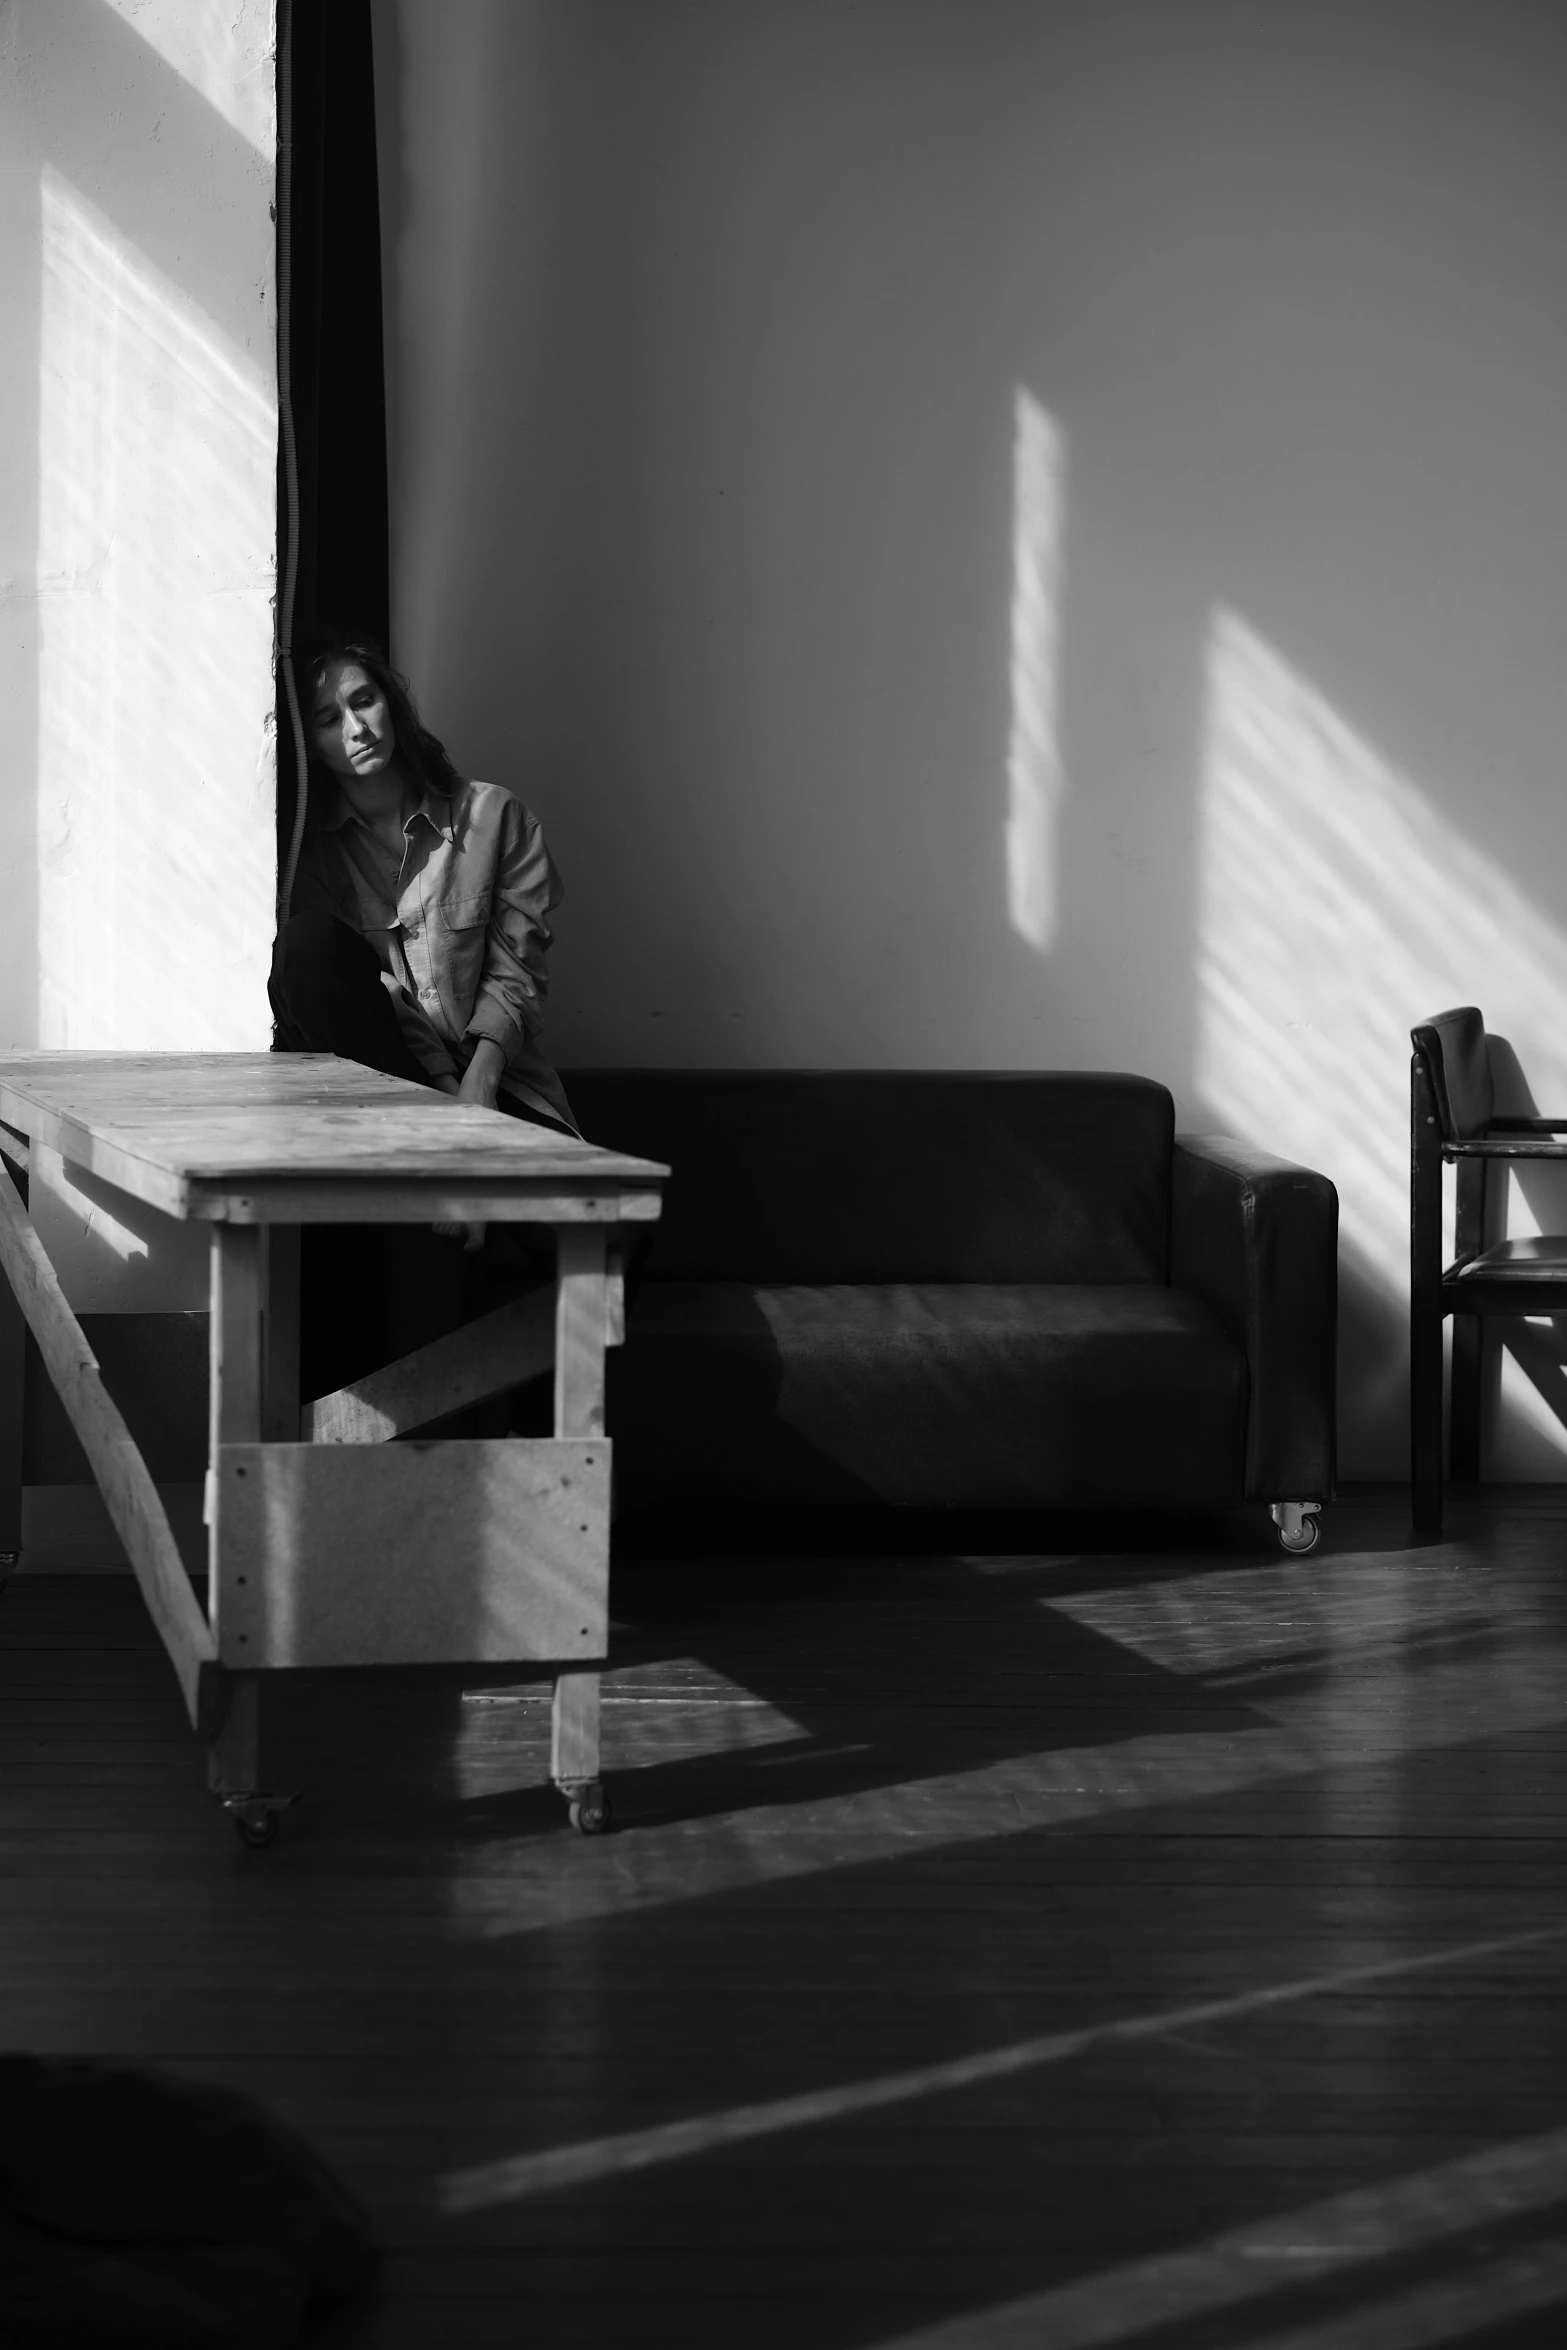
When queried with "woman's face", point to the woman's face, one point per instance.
{"points": [[351, 726]]}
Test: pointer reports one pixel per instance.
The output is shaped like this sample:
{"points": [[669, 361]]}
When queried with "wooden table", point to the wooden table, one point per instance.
{"points": [[327, 1543]]}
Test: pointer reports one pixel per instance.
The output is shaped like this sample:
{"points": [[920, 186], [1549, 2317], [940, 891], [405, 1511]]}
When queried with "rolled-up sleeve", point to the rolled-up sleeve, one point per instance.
{"points": [[508, 1006]]}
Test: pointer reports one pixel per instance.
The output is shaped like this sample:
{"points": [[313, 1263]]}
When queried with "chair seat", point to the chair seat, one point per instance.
{"points": [[1542, 1257], [930, 1394]]}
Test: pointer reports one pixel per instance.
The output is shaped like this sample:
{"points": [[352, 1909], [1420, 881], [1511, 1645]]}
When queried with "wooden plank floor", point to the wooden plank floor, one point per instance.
{"points": [[1086, 1946]]}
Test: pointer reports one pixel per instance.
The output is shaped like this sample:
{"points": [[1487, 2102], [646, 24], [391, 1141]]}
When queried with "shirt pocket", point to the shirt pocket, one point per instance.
{"points": [[458, 937]]}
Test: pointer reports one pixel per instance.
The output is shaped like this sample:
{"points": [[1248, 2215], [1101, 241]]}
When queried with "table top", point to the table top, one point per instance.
{"points": [[305, 1137]]}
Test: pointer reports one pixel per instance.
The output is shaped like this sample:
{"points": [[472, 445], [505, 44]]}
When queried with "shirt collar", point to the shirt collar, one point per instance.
{"points": [[332, 809]]}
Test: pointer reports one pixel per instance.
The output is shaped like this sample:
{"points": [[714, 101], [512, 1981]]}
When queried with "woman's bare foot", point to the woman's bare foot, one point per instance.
{"points": [[471, 1235]]}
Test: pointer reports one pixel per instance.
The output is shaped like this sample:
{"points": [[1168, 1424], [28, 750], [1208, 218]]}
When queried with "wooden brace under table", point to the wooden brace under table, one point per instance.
{"points": [[328, 1544]]}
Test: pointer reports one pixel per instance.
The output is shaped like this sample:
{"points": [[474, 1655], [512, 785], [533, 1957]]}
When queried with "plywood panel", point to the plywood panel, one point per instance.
{"points": [[447, 1552]]}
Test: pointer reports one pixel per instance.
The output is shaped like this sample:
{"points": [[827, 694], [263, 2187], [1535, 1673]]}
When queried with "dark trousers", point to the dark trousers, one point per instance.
{"points": [[370, 1293], [327, 997]]}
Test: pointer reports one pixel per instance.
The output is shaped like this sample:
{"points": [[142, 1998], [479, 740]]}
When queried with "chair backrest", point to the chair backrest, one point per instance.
{"points": [[792, 1175], [1452, 1045]]}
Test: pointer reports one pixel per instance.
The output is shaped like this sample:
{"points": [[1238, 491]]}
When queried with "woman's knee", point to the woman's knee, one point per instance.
{"points": [[309, 945]]}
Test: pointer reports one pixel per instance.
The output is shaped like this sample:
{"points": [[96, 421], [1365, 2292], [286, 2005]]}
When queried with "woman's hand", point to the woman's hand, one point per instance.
{"points": [[471, 1235], [481, 1080]]}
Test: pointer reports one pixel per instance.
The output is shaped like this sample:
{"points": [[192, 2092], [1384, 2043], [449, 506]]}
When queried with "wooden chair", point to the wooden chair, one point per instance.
{"points": [[1453, 1118]]}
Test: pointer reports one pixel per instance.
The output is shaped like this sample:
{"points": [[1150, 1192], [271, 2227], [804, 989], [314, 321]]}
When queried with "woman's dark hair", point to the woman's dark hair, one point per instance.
{"points": [[422, 751]]}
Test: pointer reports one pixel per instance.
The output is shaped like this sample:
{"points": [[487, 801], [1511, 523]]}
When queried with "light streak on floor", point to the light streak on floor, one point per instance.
{"points": [[1321, 2240], [556, 2167]]}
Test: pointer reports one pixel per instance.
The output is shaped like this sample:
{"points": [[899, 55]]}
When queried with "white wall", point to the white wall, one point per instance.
{"points": [[138, 435], [138, 439], [1003, 533]]}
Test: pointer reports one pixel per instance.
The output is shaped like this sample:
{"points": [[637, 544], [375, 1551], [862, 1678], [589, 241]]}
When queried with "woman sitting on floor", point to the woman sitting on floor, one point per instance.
{"points": [[418, 922]]}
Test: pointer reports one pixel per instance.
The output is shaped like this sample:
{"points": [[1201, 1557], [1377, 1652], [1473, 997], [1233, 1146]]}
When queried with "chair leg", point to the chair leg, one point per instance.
{"points": [[1427, 1422], [1425, 1413], [1463, 1433], [1425, 1301]]}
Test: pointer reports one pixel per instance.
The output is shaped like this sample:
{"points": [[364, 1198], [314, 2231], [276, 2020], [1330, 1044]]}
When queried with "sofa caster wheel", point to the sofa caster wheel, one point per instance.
{"points": [[254, 1818], [1295, 1523], [588, 1810]]}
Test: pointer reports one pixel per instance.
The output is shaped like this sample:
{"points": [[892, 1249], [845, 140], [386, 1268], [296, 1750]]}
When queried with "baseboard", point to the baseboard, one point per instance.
{"points": [[66, 1531]]}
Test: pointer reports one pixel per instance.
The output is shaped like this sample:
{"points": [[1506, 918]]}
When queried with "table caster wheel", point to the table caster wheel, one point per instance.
{"points": [[255, 1825], [589, 1811]]}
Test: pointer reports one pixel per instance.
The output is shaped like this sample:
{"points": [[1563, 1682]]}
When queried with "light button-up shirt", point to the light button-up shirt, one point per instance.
{"points": [[459, 922]]}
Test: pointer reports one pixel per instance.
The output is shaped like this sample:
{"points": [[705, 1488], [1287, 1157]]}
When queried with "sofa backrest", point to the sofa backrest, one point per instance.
{"points": [[791, 1175]]}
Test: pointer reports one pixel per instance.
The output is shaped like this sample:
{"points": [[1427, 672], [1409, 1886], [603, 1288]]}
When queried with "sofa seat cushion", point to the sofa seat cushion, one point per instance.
{"points": [[928, 1394]]}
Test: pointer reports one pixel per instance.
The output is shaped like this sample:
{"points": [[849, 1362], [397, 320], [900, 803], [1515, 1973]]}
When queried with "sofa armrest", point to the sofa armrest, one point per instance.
{"points": [[1257, 1239]]}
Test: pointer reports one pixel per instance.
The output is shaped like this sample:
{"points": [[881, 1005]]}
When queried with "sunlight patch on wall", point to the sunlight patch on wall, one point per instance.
{"points": [[156, 788], [1336, 907], [1034, 778], [202, 40]]}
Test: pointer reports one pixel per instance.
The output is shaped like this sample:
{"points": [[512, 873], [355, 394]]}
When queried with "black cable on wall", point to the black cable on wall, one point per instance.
{"points": [[334, 562]]}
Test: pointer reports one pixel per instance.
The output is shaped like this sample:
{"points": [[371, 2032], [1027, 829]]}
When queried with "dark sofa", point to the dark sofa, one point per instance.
{"points": [[966, 1290]]}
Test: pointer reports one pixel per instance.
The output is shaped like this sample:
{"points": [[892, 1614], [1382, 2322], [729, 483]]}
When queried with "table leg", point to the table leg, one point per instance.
{"points": [[581, 1326], [234, 1756], [280, 1334], [581, 1322], [246, 1340], [574, 1750]]}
